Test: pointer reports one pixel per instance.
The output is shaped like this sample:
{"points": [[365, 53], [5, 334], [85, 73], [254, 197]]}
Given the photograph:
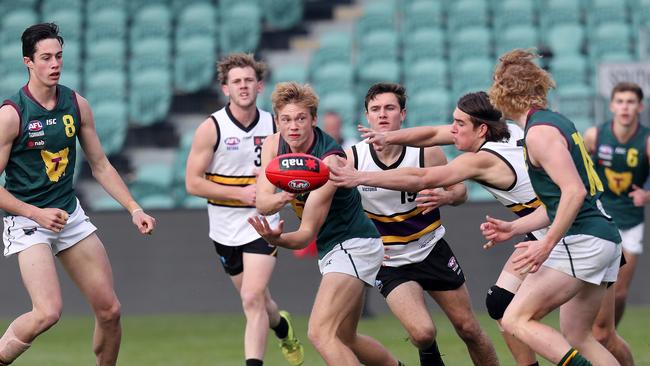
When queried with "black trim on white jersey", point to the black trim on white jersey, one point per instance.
{"points": [[239, 124], [356, 157], [216, 125], [421, 157], [512, 169], [383, 166]]}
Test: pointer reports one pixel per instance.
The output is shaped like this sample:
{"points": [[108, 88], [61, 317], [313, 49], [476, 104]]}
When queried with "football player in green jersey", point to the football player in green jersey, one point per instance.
{"points": [[571, 266], [41, 124]]}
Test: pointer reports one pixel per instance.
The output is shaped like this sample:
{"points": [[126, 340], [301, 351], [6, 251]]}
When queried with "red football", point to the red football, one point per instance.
{"points": [[297, 173]]}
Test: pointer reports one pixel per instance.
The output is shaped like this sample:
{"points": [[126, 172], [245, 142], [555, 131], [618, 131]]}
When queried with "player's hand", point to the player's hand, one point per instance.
{"points": [[261, 225], [247, 194], [496, 231], [432, 199], [51, 218], [535, 253], [638, 195], [143, 222], [377, 139], [285, 197], [343, 174]]}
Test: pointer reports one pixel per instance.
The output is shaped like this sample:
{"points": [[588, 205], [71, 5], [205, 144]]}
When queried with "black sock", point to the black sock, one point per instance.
{"points": [[573, 358], [254, 362], [534, 364], [431, 356], [282, 329]]}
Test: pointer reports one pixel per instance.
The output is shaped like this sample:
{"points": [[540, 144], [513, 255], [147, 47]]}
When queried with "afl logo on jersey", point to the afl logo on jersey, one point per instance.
{"points": [[232, 143], [35, 126]]}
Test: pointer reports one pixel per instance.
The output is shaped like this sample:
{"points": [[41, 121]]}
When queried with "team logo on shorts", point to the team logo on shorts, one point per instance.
{"points": [[379, 285], [29, 231], [452, 264]]}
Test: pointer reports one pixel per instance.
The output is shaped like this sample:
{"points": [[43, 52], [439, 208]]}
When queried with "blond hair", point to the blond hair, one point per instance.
{"points": [[239, 60], [519, 84], [294, 93]]}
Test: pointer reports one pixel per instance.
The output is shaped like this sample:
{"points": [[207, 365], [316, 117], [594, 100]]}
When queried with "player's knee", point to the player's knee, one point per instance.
{"points": [[110, 313], [253, 300], [602, 334], [423, 336], [47, 317], [621, 295], [497, 300]]}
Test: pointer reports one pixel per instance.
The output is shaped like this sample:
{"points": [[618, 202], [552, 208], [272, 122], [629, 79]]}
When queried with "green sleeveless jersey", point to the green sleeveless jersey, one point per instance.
{"points": [[346, 218], [42, 159], [620, 165], [591, 219]]}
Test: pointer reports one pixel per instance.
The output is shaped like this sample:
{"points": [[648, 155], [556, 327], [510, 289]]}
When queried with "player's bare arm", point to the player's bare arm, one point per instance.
{"points": [[198, 160], [432, 198], [639, 196], [590, 137], [50, 218], [421, 136], [269, 201], [105, 173], [497, 231]]}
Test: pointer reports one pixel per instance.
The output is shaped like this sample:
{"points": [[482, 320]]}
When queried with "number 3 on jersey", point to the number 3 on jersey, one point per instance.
{"points": [[68, 122], [595, 185]]}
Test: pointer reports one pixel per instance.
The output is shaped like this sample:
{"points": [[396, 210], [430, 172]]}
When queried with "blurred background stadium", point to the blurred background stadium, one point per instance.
{"points": [[148, 69]]}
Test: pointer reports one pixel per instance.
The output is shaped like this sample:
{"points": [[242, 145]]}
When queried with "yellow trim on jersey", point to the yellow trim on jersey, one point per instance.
{"points": [[571, 356], [394, 239], [229, 203], [522, 206], [243, 180], [396, 218]]}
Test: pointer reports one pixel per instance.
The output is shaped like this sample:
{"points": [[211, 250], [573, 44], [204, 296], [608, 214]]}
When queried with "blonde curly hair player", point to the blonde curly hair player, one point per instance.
{"points": [[571, 266]]}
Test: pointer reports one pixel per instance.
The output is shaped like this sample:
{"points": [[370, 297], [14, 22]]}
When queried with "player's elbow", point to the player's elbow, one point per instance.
{"points": [[576, 191], [191, 186]]}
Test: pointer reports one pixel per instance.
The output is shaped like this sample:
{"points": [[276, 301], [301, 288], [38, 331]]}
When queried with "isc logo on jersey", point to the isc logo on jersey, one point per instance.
{"points": [[300, 164]]}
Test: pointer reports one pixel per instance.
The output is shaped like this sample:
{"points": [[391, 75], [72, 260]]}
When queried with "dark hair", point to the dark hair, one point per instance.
{"points": [[36, 33], [481, 111], [626, 86], [239, 60], [381, 88]]}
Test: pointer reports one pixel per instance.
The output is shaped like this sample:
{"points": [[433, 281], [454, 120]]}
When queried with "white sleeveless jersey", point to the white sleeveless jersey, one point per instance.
{"points": [[520, 197], [237, 155], [408, 235]]}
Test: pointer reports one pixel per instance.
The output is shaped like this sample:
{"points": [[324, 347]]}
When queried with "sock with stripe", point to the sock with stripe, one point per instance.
{"points": [[254, 362], [573, 358], [534, 364], [431, 356], [282, 329]]}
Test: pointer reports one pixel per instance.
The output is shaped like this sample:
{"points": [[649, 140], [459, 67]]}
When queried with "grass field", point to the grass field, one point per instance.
{"points": [[216, 340]]}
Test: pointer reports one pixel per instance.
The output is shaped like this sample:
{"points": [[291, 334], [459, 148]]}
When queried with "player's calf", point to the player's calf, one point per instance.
{"points": [[11, 347]]}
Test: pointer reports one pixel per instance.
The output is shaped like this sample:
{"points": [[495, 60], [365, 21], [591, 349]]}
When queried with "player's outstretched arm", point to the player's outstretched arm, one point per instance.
{"points": [[640, 196], [421, 136], [105, 173], [590, 138], [268, 201], [198, 160]]}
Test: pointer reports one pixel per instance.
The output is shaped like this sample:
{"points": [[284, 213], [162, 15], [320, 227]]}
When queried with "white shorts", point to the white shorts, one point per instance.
{"points": [[632, 239], [587, 258], [358, 257], [21, 233]]}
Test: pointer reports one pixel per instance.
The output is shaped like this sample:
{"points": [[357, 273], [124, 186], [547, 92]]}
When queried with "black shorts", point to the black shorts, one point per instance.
{"points": [[232, 258], [439, 271]]}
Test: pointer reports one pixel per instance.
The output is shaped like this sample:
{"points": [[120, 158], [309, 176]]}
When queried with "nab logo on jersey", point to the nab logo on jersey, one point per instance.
{"points": [[232, 143], [308, 164], [35, 126]]}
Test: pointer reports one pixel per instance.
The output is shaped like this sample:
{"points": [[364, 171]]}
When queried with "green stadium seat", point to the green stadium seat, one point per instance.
{"points": [[463, 11], [468, 43], [157, 202], [150, 96], [153, 178], [559, 12], [11, 59], [104, 203], [576, 103], [428, 107], [424, 44], [151, 21], [194, 202], [106, 86], [93, 6], [196, 19], [151, 53], [479, 194], [426, 74], [14, 22], [228, 4], [18, 4], [2, 179], [333, 47], [567, 38], [511, 13], [519, 36], [333, 77], [568, 70], [377, 16], [471, 76], [610, 38], [69, 20], [240, 28], [194, 63], [71, 79], [53, 6], [641, 14], [10, 83], [606, 11], [422, 14], [378, 71], [134, 6], [104, 55], [344, 103], [282, 14], [378, 46], [289, 72], [108, 23], [111, 125], [72, 56]]}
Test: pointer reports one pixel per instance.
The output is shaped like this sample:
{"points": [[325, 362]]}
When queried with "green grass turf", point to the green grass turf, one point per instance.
{"points": [[217, 340]]}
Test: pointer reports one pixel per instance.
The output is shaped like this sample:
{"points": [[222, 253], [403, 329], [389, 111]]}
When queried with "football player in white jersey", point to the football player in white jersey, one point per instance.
{"points": [[417, 258], [222, 167]]}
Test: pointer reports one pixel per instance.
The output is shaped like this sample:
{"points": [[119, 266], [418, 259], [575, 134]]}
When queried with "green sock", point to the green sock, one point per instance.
{"points": [[573, 358]]}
